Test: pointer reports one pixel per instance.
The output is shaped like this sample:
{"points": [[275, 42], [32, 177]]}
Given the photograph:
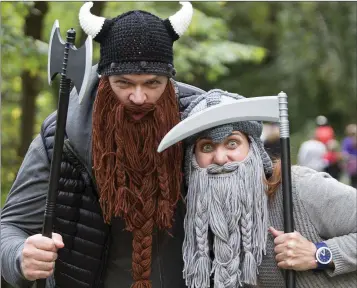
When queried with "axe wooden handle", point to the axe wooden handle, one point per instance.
{"points": [[62, 110]]}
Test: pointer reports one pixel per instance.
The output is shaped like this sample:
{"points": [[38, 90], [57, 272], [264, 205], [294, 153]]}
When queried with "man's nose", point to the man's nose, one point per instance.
{"points": [[220, 157], [138, 96]]}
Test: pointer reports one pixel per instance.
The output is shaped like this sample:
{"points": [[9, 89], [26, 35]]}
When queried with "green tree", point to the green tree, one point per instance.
{"points": [[198, 60]]}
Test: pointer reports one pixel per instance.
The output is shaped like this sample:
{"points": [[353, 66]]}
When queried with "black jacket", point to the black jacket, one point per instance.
{"points": [[88, 240]]}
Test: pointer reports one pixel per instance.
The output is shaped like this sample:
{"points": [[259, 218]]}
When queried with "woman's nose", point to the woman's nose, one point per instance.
{"points": [[220, 157]]}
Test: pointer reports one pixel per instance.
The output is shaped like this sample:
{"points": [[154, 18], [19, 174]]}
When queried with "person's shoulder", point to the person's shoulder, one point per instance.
{"points": [[92, 83], [308, 180], [298, 172], [186, 93], [305, 178], [185, 90]]}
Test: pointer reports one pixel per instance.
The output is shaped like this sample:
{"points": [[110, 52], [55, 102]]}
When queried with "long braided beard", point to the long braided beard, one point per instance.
{"points": [[134, 181], [234, 206]]}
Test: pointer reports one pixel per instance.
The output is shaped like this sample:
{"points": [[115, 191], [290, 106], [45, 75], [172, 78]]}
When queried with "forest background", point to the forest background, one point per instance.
{"points": [[306, 49]]}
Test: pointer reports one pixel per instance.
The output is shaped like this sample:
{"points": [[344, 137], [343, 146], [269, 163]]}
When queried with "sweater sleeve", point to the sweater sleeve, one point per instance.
{"points": [[332, 209], [22, 215]]}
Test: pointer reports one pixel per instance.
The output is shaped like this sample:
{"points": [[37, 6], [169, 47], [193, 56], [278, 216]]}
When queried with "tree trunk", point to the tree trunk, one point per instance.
{"points": [[30, 84]]}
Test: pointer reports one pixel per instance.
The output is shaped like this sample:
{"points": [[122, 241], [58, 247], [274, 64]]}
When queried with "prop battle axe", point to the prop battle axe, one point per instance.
{"points": [[74, 65]]}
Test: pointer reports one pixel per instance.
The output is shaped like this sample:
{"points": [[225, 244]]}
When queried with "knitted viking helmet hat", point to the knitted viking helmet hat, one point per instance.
{"points": [[136, 42], [217, 134]]}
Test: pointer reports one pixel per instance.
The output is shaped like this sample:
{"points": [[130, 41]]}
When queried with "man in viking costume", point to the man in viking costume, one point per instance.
{"points": [[118, 220], [235, 197]]}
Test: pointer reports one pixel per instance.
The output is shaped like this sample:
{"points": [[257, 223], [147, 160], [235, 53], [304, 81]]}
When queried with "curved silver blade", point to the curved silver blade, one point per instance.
{"points": [[79, 62], [80, 65], [265, 108], [55, 47], [89, 49]]}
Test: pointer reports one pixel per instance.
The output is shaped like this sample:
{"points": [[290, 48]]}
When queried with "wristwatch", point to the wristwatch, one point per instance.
{"points": [[323, 256]]}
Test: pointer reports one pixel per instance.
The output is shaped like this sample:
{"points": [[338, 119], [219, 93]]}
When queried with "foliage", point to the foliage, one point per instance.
{"points": [[19, 52], [311, 56], [307, 49]]}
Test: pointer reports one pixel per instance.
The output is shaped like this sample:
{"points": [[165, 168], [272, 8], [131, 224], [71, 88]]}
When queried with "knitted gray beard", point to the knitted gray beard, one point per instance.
{"points": [[234, 206]]}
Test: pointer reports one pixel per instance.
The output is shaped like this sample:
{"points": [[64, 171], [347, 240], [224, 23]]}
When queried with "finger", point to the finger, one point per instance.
{"points": [[31, 253], [280, 257], [45, 256], [287, 264], [284, 256], [275, 232], [34, 275], [42, 242], [280, 248], [285, 238], [57, 238], [35, 265]]}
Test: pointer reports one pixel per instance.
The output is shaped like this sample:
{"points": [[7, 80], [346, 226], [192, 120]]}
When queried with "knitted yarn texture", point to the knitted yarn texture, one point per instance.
{"points": [[217, 134], [136, 42], [233, 205]]}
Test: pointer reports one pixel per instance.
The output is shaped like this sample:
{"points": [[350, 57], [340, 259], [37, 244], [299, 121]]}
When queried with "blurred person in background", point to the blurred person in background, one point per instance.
{"points": [[333, 158], [349, 150], [323, 132], [311, 154]]}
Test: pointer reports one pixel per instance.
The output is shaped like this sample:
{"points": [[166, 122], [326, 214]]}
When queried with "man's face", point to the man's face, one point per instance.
{"points": [[233, 148], [138, 89]]}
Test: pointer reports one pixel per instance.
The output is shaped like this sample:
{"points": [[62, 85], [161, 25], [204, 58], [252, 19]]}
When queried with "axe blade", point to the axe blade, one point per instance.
{"points": [[79, 66], [265, 108], [55, 52], [79, 61]]}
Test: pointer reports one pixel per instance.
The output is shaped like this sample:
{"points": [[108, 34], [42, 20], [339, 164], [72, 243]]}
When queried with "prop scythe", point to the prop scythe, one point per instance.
{"points": [[267, 108], [74, 65]]}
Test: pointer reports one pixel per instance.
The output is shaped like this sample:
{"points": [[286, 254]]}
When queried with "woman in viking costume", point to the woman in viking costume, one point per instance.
{"points": [[234, 222]]}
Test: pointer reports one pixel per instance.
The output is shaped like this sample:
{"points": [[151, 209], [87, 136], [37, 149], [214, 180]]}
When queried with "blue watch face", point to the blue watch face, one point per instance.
{"points": [[324, 255]]}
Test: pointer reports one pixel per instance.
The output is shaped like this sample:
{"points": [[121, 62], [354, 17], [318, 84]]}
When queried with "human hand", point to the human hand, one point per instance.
{"points": [[39, 255], [293, 251]]}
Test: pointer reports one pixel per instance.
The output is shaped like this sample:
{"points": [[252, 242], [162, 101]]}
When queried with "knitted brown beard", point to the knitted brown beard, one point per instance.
{"points": [[134, 181]]}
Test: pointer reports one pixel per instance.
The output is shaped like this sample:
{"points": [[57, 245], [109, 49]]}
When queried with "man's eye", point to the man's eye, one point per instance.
{"points": [[153, 82], [122, 82]]}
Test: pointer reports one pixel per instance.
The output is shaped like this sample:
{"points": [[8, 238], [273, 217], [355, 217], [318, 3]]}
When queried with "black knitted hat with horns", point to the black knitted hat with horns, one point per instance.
{"points": [[136, 42]]}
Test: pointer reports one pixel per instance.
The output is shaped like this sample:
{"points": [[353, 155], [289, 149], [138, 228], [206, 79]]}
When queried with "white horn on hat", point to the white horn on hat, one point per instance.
{"points": [[91, 24], [182, 18]]}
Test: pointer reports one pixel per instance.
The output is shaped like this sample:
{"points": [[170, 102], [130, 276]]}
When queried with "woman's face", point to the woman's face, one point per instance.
{"points": [[233, 148]]}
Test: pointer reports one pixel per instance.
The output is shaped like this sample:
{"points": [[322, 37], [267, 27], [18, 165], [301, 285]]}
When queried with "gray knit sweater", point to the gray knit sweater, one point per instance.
{"points": [[324, 210]]}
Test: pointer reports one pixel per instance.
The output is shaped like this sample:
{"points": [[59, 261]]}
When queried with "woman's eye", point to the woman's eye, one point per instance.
{"points": [[206, 148], [232, 144]]}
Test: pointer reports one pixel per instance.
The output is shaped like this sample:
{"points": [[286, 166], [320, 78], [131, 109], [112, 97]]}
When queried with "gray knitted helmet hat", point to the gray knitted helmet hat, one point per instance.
{"points": [[233, 206], [136, 42], [217, 134]]}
